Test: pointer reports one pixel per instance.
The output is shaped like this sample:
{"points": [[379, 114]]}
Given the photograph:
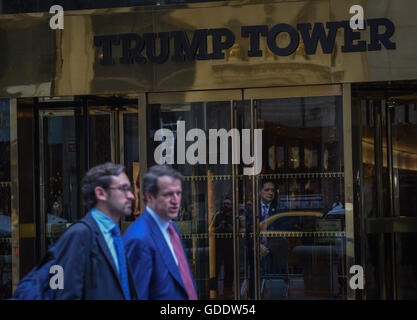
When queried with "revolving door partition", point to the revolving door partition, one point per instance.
{"points": [[388, 214], [221, 219], [73, 137]]}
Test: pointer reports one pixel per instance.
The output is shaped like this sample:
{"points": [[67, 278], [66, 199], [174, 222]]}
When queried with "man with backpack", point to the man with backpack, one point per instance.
{"points": [[90, 253]]}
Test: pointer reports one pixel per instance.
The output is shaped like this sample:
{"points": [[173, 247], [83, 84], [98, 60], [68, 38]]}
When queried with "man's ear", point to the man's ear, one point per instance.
{"points": [[148, 197], [100, 193]]}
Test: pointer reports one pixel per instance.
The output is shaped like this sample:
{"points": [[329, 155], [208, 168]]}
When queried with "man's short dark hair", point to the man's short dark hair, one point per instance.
{"points": [[264, 182], [98, 176], [150, 179]]}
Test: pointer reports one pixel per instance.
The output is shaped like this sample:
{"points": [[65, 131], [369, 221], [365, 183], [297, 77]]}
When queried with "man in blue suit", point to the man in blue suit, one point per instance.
{"points": [[267, 208], [160, 268]]}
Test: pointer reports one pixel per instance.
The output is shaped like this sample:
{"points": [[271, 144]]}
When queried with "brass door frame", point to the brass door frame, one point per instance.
{"points": [[194, 96], [236, 229], [348, 179], [143, 138]]}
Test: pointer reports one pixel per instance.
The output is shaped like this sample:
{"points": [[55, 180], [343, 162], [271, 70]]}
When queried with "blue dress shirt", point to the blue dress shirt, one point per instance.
{"points": [[106, 224]]}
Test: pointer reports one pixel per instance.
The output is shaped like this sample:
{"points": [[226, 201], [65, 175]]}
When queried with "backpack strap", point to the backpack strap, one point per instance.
{"points": [[90, 265]]}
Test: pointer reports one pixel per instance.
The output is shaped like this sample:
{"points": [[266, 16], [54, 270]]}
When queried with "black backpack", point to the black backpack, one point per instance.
{"points": [[36, 284]]}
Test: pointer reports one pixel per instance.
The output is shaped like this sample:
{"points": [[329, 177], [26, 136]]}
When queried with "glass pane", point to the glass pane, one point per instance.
{"points": [[368, 159], [301, 206], [205, 216], [5, 203], [245, 199], [404, 152], [62, 131], [100, 126], [114, 136], [406, 266]]}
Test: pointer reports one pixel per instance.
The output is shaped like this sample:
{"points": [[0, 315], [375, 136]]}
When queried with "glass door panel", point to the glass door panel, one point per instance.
{"points": [[61, 170], [388, 206], [404, 154], [114, 136], [207, 216], [101, 135], [300, 205], [245, 195], [403, 120]]}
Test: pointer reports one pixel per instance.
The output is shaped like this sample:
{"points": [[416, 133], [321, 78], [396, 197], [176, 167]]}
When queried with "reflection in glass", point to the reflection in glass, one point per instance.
{"points": [[294, 159], [204, 218], [280, 156], [404, 154], [406, 266], [302, 249], [114, 136], [131, 151], [100, 124], [61, 167]]}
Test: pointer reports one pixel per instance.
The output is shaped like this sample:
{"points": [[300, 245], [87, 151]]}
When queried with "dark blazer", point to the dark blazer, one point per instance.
{"points": [[154, 270], [273, 209], [97, 266]]}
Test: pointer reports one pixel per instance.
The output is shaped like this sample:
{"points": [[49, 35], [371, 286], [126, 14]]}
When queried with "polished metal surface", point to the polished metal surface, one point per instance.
{"points": [[391, 224], [391, 188], [235, 223], [348, 180], [38, 61], [143, 154], [255, 201], [194, 96], [42, 180], [293, 92]]}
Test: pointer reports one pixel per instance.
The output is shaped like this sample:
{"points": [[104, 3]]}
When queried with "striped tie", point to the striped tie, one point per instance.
{"points": [[265, 217], [183, 268]]}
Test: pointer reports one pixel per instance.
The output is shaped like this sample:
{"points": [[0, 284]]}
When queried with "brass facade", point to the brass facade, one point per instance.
{"points": [[38, 61]]}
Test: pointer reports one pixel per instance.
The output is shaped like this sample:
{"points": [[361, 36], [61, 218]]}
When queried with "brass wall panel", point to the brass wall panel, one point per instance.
{"points": [[143, 142], [348, 181], [194, 96], [38, 61], [390, 225], [27, 230], [293, 92]]}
